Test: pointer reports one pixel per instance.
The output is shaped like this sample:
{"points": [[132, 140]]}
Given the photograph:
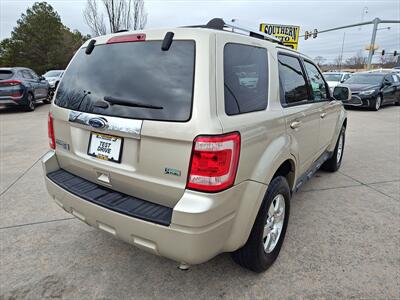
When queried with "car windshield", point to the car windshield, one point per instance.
{"points": [[130, 80], [365, 79], [53, 74], [332, 77]]}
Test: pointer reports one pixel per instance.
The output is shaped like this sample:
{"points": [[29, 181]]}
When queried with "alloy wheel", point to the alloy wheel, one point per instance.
{"points": [[274, 223]]}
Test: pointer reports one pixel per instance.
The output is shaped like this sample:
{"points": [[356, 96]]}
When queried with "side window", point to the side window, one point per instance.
{"points": [[245, 78], [33, 74], [345, 77], [318, 86], [293, 84], [395, 78], [389, 78], [26, 74]]}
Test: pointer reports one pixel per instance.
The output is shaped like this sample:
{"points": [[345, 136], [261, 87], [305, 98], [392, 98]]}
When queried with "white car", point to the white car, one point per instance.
{"points": [[53, 77], [335, 78]]}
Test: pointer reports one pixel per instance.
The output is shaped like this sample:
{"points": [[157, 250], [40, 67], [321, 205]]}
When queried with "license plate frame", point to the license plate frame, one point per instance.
{"points": [[105, 137]]}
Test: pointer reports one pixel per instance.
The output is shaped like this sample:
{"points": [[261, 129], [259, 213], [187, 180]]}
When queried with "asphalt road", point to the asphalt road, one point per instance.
{"points": [[343, 238]]}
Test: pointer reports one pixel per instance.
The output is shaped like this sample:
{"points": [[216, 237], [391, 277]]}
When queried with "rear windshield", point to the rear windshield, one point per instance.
{"points": [[53, 74], [131, 80], [5, 74]]}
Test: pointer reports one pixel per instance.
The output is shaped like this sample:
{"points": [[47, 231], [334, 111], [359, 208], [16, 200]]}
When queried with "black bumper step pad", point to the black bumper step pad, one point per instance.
{"points": [[112, 200]]}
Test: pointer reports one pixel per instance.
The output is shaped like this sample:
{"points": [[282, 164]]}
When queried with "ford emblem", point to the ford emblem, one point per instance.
{"points": [[98, 123]]}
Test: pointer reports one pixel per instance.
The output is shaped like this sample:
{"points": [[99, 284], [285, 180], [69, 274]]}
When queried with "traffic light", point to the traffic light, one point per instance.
{"points": [[383, 52], [395, 53], [315, 33]]}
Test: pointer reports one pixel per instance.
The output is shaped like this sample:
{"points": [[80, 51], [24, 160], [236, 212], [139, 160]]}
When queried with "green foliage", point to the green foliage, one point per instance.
{"points": [[40, 41]]}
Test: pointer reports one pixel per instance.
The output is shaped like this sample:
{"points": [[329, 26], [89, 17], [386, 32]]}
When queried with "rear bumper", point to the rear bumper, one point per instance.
{"points": [[202, 225], [12, 101]]}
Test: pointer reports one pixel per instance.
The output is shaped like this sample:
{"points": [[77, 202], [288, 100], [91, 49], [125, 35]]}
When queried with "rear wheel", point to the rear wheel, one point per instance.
{"points": [[48, 98], [30, 105], [333, 164], [268, 232]]}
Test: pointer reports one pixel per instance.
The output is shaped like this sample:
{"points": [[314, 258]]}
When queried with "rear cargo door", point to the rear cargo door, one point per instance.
{"points": [[118, 115]]}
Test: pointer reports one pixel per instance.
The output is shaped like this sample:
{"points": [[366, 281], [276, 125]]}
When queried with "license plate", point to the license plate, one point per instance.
{"points": [[105, 147]]}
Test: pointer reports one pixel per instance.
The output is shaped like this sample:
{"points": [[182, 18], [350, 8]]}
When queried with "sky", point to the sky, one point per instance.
{"points": [[309, 15]]}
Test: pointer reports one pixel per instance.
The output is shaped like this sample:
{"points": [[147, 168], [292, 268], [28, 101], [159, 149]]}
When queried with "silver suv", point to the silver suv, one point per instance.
{"points": [[189, 142]]}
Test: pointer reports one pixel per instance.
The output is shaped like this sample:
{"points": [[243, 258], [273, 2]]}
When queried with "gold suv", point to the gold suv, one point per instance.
{"points": [[189, 142]]}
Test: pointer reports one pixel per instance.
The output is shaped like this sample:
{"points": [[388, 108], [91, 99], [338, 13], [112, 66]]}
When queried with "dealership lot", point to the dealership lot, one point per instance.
{"points": [[343, 238]]}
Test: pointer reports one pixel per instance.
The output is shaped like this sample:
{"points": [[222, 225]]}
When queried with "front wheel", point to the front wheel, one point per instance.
{"points": [[376, 105], [268, 232], [333, 164]]}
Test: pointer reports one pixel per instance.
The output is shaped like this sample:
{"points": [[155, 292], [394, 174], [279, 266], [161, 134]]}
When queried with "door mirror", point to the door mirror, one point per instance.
{"points": [[342, 93], [387, 82], [41, 78]]}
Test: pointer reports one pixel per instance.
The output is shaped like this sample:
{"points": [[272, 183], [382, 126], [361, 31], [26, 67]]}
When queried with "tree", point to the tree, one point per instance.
{"points": [[338, 62], [120, 14], [319, 60], [357, 61], [40, 41]]}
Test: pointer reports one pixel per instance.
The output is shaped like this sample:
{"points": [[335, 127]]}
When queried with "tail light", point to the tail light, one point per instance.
{"points": [[50, 128], [10, 82], [214, 162]]}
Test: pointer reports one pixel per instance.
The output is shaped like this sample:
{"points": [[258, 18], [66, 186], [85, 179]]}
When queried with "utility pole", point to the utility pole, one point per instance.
{"points": [[375, 22], [341, 53]]}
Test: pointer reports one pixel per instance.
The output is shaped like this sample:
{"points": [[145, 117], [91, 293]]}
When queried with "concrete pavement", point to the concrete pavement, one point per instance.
{"points": [[343, 238]]}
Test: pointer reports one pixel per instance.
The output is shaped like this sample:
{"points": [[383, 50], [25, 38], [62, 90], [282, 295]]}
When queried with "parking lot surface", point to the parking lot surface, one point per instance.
{"points": [[343, 238]]}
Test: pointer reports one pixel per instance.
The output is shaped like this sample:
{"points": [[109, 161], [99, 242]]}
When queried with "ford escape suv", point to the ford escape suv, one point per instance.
{"points": [[189, 142]]}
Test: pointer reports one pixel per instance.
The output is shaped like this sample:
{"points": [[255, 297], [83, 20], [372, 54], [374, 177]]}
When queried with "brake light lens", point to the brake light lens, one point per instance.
{"points": [[214, 162], [10, 82], [139, 37], [50, 130]]}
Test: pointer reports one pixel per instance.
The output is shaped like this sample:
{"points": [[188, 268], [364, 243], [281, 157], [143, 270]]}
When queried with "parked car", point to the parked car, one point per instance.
{"points": [[373, 89], [335, 78], [53, 77], [22, 87], [177, 142]]}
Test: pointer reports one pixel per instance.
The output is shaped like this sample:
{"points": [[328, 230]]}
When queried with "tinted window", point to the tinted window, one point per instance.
{"points": [[34, 75], [245, 78], [389, 78], [26, 74], [317, 83], [293, 84], [133, 73], [5, 74]]}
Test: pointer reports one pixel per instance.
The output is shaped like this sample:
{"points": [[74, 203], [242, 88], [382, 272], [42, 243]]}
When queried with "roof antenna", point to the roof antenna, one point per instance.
{"points": [[166, 44], [90, 47]]}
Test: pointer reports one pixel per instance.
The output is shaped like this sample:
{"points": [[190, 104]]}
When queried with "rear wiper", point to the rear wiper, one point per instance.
{"points": [[127, 102]]}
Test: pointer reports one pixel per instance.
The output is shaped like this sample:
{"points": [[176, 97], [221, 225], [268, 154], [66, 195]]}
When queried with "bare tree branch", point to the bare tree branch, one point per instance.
{"points": [[94, 19], [120, 14]]}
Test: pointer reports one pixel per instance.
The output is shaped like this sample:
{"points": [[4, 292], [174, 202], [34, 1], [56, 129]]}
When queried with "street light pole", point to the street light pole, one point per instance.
{"points": [[376, 21]]}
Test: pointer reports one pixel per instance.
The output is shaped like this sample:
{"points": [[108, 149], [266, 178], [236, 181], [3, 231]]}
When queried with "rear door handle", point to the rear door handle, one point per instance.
{"points": [[295, 124], [323, 115]]}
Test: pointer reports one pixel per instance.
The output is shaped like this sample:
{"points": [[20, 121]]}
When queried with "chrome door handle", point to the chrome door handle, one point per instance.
{"points": [[323, 115], [295, 124]]}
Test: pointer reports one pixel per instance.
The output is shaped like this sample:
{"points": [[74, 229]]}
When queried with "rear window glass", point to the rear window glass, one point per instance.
{"points": [[136, 79], [245, 78], [5, 74]]}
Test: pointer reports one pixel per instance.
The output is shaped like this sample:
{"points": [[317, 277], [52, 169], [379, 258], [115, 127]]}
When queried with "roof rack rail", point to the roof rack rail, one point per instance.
{"points": [[220, 24]]}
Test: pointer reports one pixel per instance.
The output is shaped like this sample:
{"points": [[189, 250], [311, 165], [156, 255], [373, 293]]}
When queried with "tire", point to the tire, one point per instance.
{"points": [[253, 255], [333, 164], [48, 99], [30, 106], [377, 103]]}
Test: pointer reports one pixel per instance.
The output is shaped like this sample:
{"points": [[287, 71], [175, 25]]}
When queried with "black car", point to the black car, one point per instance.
{"points": [[22, 87], [372, 90]]}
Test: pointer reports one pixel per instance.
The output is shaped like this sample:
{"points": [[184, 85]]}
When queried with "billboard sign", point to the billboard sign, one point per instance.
{"points": [[288, 34]]}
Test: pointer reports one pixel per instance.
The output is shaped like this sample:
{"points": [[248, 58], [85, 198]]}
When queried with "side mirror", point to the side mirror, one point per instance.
{"points": [[342, 93], [387, 82], [41, 78]]}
